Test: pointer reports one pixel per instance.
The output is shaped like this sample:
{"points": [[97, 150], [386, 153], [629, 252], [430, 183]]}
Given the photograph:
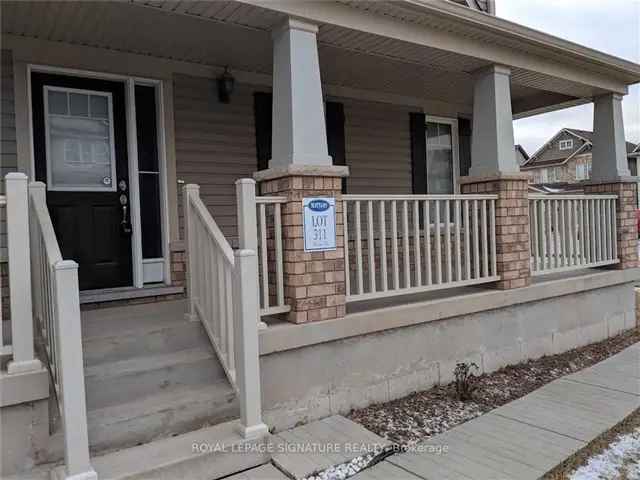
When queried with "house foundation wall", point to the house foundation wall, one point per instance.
{"points": [[321, 379]]}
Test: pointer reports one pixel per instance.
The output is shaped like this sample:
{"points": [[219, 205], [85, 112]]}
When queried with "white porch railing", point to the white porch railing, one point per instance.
{"points": [[209, 275], [270, 255], [570, 232], [57, 311], [223, 291], [399, 244]]}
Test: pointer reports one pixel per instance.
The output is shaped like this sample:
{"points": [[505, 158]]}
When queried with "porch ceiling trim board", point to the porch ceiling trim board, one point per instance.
{"points": [[91, 58], [475, 35]]}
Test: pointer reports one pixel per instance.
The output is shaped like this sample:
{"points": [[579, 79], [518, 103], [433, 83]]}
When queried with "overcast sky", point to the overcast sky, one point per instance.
{"points": [[612, 26]]}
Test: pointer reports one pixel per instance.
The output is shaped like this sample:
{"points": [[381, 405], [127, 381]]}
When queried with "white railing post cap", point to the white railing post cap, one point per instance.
{"points": [[245, 181], [66, 265], [16, 176], [245, 252], [192, 187]]}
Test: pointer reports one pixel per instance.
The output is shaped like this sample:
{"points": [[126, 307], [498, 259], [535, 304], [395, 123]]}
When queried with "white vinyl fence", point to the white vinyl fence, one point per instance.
{"points": [[270, 255], [222, 285], [56, 305], [399, 244], [570, 232]]}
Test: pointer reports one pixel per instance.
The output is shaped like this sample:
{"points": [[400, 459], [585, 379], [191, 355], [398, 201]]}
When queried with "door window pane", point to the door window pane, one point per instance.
{"points": [[79, 148], [439, 158]]}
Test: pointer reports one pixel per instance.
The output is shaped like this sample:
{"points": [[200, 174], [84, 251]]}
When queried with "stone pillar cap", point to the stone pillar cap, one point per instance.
{"points": [[301, 171], [494, 177]]}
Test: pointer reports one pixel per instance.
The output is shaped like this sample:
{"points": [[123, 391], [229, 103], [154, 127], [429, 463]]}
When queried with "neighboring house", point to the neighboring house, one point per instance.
{"points": [[174, 305], [521, 155], [566, 158]]}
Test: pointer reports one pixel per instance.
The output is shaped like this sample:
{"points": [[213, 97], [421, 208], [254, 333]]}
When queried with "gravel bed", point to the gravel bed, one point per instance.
{"points": [[420, 415]]}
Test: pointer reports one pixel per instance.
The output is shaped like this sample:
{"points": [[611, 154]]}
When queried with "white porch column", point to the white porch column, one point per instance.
{"points": [[609, 148], [492, 145], [299, 132]]}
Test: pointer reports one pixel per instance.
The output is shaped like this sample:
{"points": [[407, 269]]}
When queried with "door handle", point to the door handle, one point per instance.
{"points": [[125, 224]]}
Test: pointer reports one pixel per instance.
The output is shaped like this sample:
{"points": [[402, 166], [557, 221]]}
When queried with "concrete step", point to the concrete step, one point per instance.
{"points": [[162, 415], [175, 457], [149, 338], [106, 322], [127, 380]]}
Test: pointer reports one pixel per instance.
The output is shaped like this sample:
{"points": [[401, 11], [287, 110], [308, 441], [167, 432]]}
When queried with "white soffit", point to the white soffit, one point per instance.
{"points": [[238, 35]]}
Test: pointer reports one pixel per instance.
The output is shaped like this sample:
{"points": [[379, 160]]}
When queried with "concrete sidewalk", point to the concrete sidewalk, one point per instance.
{"points": [[529, 436]]}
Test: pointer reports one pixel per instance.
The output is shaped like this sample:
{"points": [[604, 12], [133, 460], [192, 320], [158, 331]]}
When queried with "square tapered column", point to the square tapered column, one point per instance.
{"points": [[494, 170], [610, 174], [299, 131], [300, 167]]}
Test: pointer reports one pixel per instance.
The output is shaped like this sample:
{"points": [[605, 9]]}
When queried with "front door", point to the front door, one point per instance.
{"points": [[80, 150]]}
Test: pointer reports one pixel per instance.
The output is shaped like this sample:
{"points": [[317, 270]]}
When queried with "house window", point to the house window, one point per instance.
{"points": [[581, 171], [442, 155], [79, 140], [544, 175], [566, 144]]}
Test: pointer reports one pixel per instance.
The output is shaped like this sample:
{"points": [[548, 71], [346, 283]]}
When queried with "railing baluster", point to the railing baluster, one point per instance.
{"points": [[416, 246], [543, 235], [395, 260], [371, 247], [447, 240], [347, 268], [457, 238], [476, 246], [492, 219], [485, 247], [359, 279], [405, 244], [427, 241], [438, 241], [556, 236], [614, 226], [535, 247], [383, 246], [467, 240], [264, 268], [277, 225]]}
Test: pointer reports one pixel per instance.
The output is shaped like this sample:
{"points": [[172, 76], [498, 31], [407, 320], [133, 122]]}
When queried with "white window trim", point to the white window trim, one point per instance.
{"points": [[78, 188], [455, 145], [565, 144]]}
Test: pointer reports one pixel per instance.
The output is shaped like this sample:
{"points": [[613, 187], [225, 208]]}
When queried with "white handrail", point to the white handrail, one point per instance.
{"points": [[56, 299], [399, 244], [222, 286]]}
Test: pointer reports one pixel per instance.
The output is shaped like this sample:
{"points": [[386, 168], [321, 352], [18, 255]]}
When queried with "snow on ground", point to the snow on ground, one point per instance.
{"points": [[621, 460], [344, 470]]}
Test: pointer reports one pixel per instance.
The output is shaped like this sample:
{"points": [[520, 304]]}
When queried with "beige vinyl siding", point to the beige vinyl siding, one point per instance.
{"points": [[8, 163], [378, 148], [215, 144]]}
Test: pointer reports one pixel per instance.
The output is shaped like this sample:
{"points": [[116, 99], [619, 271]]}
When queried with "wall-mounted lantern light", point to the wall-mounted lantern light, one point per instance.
{"points": [[226, 83]]}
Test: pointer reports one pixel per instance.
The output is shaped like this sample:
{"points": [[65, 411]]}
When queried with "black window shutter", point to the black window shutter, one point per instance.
{"points": [[418, 152], [335, 135], [262, 117], [464, 150]]}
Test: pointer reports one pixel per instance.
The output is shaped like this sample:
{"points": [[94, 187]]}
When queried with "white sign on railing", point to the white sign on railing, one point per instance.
{"points": [[319, 220]]}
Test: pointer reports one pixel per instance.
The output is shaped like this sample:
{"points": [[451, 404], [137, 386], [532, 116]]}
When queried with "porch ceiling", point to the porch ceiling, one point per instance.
{"points": [[238, 34]]}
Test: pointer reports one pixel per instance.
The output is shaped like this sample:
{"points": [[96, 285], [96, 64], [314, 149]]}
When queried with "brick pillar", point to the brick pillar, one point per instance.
{"points": [[512, 225], [627, 224], [314, 284]]}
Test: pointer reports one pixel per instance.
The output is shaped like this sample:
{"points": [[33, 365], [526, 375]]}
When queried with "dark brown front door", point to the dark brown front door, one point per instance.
{"points": [[80, 150]]}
